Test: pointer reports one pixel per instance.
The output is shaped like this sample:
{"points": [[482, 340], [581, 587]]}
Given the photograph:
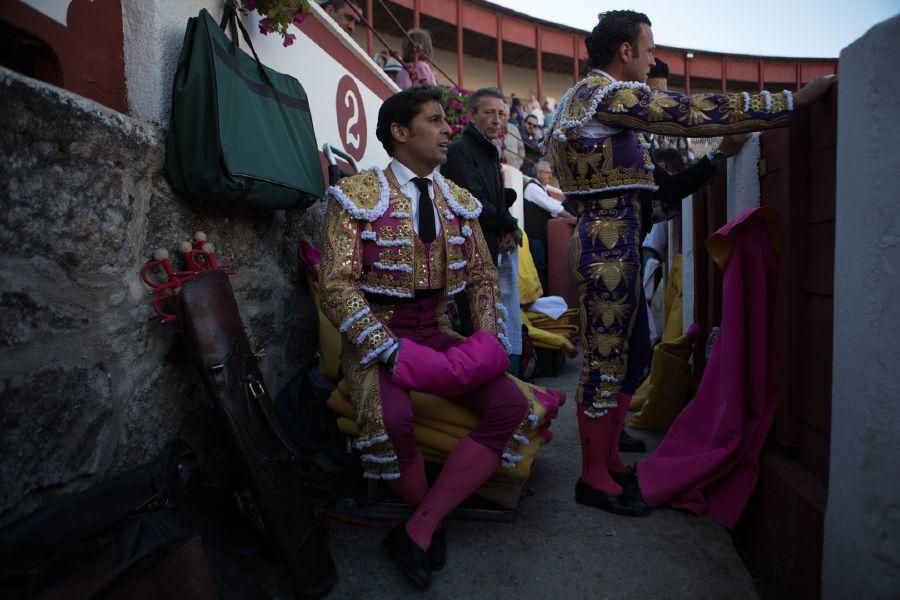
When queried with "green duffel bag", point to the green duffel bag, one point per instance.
{"points": [[240, 133]]}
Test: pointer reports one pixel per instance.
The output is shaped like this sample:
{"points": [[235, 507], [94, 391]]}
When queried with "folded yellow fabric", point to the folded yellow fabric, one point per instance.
{"points": [[672, 329], [329, 338], [529, 283], [668, 385], [542, 338]]}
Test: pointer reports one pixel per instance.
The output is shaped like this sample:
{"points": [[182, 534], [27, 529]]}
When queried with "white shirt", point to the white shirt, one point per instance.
{"points": [[405, 178], [538, 195]]}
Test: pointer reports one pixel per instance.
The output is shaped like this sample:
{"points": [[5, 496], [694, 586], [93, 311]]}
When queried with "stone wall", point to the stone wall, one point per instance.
{"points": [[862, 521], [86, 388]]}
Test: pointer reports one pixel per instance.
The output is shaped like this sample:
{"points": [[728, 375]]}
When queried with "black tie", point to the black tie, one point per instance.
{"points": [[427, 231]]}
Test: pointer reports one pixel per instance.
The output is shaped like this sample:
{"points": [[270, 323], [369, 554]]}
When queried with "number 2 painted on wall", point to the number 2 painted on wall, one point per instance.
{"points": [[351, 117], [352, 103]]}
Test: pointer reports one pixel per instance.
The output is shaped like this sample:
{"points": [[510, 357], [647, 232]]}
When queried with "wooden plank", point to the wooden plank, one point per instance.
{"points": [[821, 187], [823, 120], [814, 453], [818, 276], [816, 374], [817, 326]]}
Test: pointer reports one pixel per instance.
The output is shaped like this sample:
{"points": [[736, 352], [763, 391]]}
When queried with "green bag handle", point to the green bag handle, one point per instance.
{"points": [[229, 18]]}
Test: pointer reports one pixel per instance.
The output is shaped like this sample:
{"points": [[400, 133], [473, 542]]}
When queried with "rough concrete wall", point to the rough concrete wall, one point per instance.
{"points": [[862, 522], [154, 31], [85, 387], [687, 262], [743, 179]]}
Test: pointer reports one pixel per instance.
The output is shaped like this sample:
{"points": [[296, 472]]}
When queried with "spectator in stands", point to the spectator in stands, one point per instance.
{"points": [[344, 12], [515, 110], [392, 67], [539, 208], [547, 109], [513, 148], [532, 140], [416, 70]]}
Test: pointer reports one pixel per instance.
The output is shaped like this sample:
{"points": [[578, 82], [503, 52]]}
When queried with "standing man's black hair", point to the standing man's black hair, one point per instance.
{"points": [[401, 108], [615, 28]]}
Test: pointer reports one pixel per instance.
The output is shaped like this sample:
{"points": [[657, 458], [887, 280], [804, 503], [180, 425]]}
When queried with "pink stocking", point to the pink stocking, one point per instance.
{"points": [[596, 435], [412, 485], [620, 412], [467, 467]]}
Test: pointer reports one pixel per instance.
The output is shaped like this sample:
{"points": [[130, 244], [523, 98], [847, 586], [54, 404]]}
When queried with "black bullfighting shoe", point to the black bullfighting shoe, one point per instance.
{"points": [[620, 504], [437, 552], [629, 443], [409, 556]]}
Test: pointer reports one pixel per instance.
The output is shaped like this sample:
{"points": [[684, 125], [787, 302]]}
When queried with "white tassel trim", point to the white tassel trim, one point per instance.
{"points": [[375, 289], [381, 460], [521, 439], [513, 458], [368, 358], [607, 394], [457, 290], [353, 318], [455, 206], [602, 405], [456, 240], [448, 215], [357, 212], [505, 341], [457, 265], [360, 444], [387, 243], [399, 267], [611, 378], [368, 235], [768, 98], [391, 475], [789, 97], [628, 186], [596, 99], [746, 101], [466, 231], [366, 333], [503, 312], [401, 214]]}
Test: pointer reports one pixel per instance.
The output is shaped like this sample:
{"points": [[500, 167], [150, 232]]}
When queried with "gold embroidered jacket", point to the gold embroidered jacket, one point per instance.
{"points": [[371, 247], [589, 162]]}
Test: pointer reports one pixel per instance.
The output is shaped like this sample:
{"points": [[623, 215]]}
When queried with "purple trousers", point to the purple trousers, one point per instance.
{"points": [[499, 404]]}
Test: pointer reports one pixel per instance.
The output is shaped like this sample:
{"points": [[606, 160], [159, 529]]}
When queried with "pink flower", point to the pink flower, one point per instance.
{"points": [[299, 17], [455, 105], [288, 39], [464, 119], [455, 128], [264, 27]]}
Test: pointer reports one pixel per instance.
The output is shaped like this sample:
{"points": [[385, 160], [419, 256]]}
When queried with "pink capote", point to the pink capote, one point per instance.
{"points": [[457, 370], [708, 462]]}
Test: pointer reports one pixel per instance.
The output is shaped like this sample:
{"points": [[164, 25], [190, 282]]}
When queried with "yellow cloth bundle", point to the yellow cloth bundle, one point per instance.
{"points": [[529, 284]]}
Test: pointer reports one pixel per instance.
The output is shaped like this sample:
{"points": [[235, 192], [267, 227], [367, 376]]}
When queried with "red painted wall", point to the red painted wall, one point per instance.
{"points": [[90, 48]]}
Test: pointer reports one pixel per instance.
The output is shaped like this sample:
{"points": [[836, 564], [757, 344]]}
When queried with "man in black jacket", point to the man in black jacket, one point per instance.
{"points": [[473, 162]]}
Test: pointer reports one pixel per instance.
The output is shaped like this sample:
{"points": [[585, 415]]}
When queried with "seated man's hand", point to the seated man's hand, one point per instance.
{"points": [[517, 239]]}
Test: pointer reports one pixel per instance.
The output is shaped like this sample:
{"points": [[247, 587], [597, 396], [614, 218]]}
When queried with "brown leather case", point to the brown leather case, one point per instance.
{"points": [[214, 333]]}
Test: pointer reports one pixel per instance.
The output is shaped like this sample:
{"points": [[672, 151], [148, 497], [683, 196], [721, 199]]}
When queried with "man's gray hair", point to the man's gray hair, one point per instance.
{"points": [[488, 92], [542, 163]]}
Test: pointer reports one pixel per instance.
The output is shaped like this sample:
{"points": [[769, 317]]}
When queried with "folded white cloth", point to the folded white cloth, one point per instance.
{"points": [[552, 306]]}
